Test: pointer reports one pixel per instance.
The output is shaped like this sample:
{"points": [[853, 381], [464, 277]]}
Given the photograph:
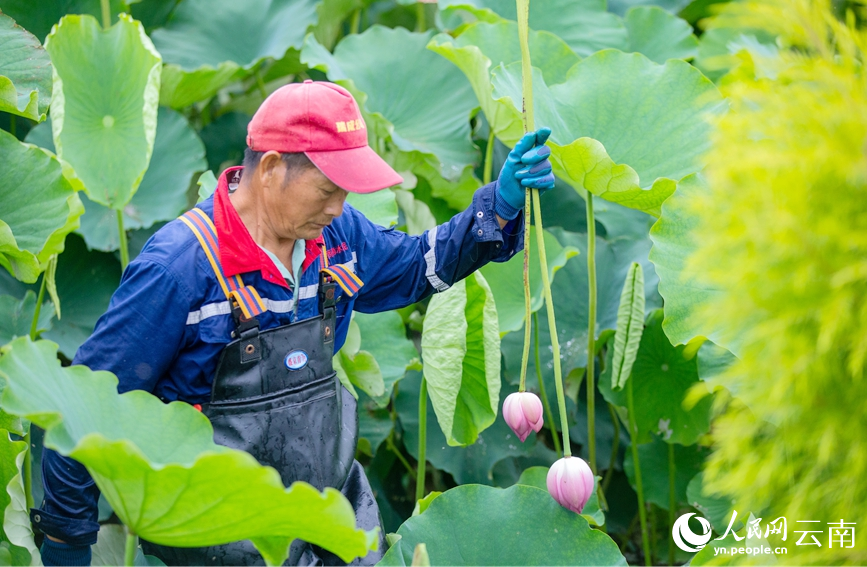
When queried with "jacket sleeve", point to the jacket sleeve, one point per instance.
{"points": [[398, 269], [137, 339]]}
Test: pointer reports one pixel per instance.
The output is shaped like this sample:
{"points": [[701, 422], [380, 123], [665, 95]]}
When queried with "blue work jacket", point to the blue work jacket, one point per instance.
{"points": [[169, 319]]}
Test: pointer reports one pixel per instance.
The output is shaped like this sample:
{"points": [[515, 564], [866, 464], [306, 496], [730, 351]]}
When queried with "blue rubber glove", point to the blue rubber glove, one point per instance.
{"points": [[62, 554], [526, 167]]}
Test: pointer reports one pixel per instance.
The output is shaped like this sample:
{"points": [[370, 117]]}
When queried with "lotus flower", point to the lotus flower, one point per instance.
{"points": [[523, 412], [570, 482]]}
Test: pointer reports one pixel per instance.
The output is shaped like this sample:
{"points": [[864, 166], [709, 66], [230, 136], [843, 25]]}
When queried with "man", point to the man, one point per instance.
{"points": [[238, 307]]}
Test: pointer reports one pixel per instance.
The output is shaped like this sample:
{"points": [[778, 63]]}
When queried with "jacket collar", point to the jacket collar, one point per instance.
{"points": [[239, 253]]}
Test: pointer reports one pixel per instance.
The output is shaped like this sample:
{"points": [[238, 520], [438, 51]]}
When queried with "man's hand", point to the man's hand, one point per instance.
{"points": [[526, 167]]}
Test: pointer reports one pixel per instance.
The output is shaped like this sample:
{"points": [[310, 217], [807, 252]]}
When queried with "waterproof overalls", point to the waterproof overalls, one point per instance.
{"points": [[276, 395]]}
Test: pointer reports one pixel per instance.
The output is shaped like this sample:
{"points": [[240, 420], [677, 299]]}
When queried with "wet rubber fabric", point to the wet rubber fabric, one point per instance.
{"points": [[276, 396]]}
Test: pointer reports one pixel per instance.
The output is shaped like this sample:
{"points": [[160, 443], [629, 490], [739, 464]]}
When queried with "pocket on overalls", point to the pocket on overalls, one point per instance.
{"points": [[297, 431]]}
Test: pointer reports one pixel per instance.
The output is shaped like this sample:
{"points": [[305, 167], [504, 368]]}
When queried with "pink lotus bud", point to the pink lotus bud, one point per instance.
{"points": [[570, 482], [523, 412]]}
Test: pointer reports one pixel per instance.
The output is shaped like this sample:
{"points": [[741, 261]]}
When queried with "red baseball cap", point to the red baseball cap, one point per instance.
{"points": [[322, 120]]}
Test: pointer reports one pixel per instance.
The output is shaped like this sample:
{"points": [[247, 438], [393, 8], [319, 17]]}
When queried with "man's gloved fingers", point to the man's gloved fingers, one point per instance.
{"points": [[542, 135], [524, 145], [537, 154], [544, 182], [540, 169]]}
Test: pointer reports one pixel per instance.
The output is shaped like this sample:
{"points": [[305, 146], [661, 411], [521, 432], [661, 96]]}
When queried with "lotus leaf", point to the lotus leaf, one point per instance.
{"points": [[104, 104], [40, 207], [158, 466], [25, 72], [461, 348]]}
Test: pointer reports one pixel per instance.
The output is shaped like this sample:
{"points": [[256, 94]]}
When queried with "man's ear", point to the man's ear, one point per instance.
{"points": [[269, 169]]}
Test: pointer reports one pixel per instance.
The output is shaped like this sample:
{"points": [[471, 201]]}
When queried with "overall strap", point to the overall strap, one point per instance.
{"points": [[341, 274], [245, 297]]}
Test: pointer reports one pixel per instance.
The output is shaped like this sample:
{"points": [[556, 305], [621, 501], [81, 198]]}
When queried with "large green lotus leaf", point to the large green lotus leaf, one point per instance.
{"points": [[507, 283], [158, 466], [38, 20], [15, 529], [584, 24], [659, 35], [86, 281], [661, 377], [40, 207], [460, 344], [332, 14], [25, 72], [684, 291], [383, 335], [688, 462], [525, 527], [104, 104], [455, 194], [356, 367], [379, 207], [429, 111], [472, 464], [208, 43], [16, 316], [178, 154], [624, 128], [713, 361], [569, 291], [483, 45]]}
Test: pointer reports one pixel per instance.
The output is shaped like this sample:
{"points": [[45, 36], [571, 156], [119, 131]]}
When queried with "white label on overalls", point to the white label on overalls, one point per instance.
{"points": [[296, 360]]}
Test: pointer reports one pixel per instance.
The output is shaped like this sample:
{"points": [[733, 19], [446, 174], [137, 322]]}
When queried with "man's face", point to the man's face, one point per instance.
{"points": [[303, 203]]}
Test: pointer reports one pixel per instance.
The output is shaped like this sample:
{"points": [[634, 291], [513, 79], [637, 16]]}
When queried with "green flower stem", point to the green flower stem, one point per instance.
{"points": [[633, 434], [355, 22], [389, 442], [488, 175], [545, 402], [527, 91], [420, 24], [422, 440], [525, 355], [591, 334], [35, 322], [552, 326], [527, 88], [27, 467], [261, 84], [130, 549], [106, 14], [615, 445], [672, 498], [124, 247]]}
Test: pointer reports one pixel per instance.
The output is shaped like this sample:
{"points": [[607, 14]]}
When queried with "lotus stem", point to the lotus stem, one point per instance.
{"points": [[422, 440], [527, 87], [672, 498], [124, 246], [615, 445], [420, 24], [591, 334], [488, 174], [355, 22], [545, 402], [106, 14], [35, 322], [130, 549], [261, 84], [527, 91], [633, 434]]}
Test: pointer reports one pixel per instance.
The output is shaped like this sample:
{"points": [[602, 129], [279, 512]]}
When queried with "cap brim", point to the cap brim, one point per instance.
{"points": [[359, 170]]}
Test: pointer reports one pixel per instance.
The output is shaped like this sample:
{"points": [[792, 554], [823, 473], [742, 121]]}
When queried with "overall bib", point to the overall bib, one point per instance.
{"points": [[276, 395]]}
